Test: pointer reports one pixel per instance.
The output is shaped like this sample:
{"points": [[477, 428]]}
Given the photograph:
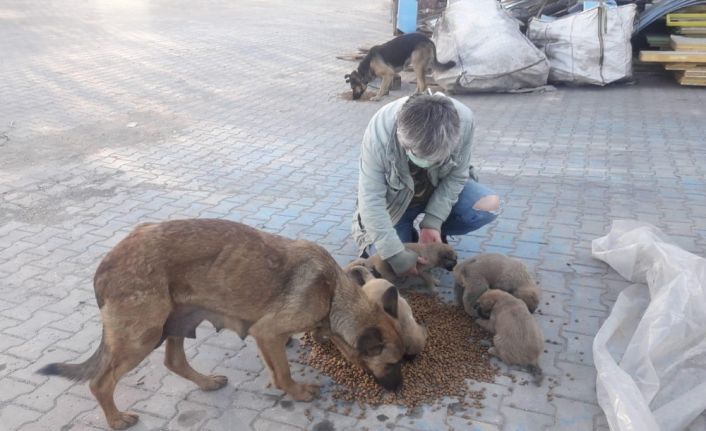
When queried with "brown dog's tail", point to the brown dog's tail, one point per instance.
{"points": [[78, 372], [441, 66], [536, 373]]}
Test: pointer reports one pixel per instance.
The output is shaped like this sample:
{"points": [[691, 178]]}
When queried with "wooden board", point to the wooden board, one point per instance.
{"points": [[701, 82], [694, 73], [686, 20], [674, 56], [685, 66], [684, 43], [689, 74], [692, 31]]}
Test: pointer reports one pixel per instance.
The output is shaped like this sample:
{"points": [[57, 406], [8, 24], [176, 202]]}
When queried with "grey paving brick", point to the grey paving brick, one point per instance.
{"points": [[577, 383], [12, 388], [574, 415], [232, 419], [191, 416], [518, 420], [12, 416], [261, 424], [94, 420], [43, 339], [10, 364], [28, 329], [44, 397]]}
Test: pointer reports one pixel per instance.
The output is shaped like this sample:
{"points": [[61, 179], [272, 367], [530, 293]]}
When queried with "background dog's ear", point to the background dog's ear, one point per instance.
{"points": [[360, 274], [370, 342], [389, 301], [348, 77]]}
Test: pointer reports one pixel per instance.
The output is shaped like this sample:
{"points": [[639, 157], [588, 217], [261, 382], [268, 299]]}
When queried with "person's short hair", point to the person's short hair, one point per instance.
{"points": [[428, 126]]}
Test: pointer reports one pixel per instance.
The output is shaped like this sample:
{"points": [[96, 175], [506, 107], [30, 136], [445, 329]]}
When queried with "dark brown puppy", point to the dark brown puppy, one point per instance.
{"points": [[437, 255], [486, 271], [163, 280], [390, 58], [518, 339]]}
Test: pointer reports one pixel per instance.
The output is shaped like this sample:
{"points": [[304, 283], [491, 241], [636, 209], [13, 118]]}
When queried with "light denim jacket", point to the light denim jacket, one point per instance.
{"points": [[386, 187]]}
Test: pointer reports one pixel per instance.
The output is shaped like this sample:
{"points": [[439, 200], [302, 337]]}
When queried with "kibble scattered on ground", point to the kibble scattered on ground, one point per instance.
{"points": [[452, 355]]}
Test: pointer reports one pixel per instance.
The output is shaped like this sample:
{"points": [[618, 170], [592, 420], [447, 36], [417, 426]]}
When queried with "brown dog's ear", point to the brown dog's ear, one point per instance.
{"points": [[390, 300], [370, 342], [360, 275], [348, 77]]}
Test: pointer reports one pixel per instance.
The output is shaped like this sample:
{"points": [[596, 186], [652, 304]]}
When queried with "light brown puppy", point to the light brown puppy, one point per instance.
{"points": [[486, 271], [163, 280], [518, 339], [437, 255], [414, 335]]}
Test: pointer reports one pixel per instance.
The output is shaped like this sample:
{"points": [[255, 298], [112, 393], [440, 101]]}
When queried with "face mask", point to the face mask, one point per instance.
{"points": [[417, 161]]}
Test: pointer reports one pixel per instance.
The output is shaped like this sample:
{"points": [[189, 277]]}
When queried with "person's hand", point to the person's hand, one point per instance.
{"points": [[421, 261], [428, 236]]}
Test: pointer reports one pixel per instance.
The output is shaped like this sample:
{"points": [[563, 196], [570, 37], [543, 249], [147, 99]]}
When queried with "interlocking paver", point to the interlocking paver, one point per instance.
{"points": [[237, 115]]}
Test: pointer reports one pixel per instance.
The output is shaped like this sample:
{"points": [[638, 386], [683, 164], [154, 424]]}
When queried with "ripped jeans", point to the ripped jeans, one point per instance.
{"points": [[462, 219]]}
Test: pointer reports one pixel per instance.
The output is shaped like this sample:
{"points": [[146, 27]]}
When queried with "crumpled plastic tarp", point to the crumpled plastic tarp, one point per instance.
{"points": [[589, 47], [650, 354], [490, 52]]}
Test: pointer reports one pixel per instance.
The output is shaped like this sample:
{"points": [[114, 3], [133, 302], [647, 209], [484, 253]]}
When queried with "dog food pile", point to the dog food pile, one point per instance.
{"points": [[449, 358], [348, 95]]}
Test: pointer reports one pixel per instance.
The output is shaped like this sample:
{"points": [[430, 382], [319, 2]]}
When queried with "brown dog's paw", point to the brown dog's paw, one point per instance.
{"points": [[214, 383], [123, 420], [303, 391]]}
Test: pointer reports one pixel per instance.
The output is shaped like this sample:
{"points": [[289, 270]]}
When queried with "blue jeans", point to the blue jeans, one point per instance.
{"points": [[462, 219]]}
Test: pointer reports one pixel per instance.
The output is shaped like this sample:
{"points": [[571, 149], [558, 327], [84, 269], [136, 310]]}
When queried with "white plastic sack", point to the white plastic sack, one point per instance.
{"points": [[650, 353], [490, 52], [590, 47]]}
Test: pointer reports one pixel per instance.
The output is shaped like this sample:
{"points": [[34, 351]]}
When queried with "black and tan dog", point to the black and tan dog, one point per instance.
{"points": [[163, 280], [390, 58]]}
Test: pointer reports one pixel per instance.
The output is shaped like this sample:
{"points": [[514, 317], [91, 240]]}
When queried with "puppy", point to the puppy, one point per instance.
{"points": [[486, 271], [517, 339], [438, 255], [161, 281], [414, 335], [390, 58]]}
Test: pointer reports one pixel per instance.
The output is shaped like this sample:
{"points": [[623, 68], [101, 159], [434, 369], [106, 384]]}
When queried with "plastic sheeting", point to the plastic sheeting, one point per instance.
{"points": [[590, 47], [650, 353], [490, 52], [526, 9], [662, 8]]}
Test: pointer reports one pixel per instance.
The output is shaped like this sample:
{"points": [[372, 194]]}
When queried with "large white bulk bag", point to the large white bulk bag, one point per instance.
{"points": [[490, 52], [589, 47]]}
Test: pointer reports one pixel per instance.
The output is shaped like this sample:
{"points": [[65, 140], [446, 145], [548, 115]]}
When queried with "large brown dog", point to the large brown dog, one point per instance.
{"points": [[475, 276], [518, 339], [437, 255], [163, 280]]}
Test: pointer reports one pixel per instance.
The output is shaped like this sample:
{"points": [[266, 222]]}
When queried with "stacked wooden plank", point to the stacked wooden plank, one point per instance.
{"points": [[687, 59]]}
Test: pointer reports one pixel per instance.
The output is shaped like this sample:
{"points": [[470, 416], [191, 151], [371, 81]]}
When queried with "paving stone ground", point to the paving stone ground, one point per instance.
{"points": [[115, 113]]}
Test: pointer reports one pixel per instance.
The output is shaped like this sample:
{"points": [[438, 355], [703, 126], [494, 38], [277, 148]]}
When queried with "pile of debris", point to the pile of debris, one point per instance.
{"points": [[686, 57]]}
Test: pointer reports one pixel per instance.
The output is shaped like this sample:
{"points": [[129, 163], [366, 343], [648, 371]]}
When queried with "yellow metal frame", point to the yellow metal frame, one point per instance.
{"points": [[686, 20]]}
